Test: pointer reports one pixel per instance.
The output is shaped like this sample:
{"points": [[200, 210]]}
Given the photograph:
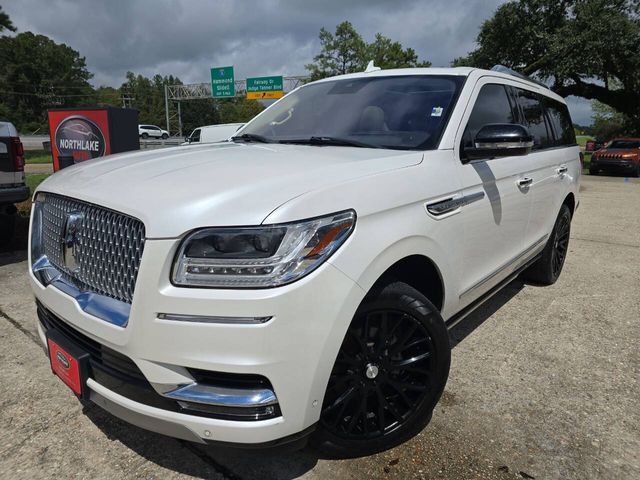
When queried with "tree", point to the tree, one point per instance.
{"points": [[342, 52], [38, 73], [608, 123], [147, 96], [386, 53], [346, 52], [586, 48], [5, 22]]}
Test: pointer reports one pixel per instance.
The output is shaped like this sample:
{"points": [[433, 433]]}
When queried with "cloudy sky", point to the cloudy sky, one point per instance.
{"points": [[188, 37]]}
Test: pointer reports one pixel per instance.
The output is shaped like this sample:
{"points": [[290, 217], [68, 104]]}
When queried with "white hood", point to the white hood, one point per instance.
{"points": [[178, 189]]}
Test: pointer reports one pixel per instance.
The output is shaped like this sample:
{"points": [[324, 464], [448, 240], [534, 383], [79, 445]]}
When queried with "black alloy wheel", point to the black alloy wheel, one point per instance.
{"points": [[561, 244], [547, 269], [388, 375]]}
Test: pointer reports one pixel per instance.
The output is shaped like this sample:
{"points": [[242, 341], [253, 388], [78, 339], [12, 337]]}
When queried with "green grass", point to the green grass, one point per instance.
{"points": [[583, 139], [37, 156], [587, 161], [35, 179], [32, 180]]}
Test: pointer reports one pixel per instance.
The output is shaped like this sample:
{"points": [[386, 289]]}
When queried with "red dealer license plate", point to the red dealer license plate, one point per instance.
{"points": [[68, 366]]}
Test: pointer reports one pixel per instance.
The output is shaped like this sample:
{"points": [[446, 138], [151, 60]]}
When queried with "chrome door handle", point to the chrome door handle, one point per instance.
{"points": [[562, 170], [525, 182]]}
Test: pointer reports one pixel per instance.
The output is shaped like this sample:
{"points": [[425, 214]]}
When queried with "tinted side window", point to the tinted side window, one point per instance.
{"points": [[533, 117], [492, 106], [195, 136], [561, 124]]}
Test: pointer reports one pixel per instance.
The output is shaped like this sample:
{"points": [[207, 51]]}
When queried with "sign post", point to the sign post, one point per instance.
{"points": [[265, 88], [222, 82]]}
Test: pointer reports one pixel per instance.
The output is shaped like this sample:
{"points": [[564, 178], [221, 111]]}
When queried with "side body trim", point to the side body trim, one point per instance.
{"points": [[453, 203], [503, 271]]}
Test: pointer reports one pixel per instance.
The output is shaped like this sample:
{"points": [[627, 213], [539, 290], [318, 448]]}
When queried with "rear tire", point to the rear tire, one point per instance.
{"points": [[145, 135], [593, 171], [7, 228], [548, 267], [389, 375]]}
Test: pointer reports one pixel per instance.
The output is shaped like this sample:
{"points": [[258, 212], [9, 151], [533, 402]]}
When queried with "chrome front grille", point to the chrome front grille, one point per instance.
{"points": [[108, 247]]}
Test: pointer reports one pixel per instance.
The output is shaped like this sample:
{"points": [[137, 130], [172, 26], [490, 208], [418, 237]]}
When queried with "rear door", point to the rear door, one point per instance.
{"points": [[550, 158], [496, 210]]}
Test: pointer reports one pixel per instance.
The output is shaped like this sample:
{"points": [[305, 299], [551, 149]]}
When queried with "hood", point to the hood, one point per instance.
{"points": [[175, 190]]}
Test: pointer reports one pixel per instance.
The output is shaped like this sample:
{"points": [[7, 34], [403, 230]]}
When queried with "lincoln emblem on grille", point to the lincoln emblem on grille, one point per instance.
{"points": [[70, 240]]}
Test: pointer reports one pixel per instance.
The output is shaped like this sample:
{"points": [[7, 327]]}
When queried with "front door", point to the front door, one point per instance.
{"points": [[496, 198]]}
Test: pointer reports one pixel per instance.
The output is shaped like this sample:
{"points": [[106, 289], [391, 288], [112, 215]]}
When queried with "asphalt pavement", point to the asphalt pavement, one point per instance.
{"points": [[545, 383]]}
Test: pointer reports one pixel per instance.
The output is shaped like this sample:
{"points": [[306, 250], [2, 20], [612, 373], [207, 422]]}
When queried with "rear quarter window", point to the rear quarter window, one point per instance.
{"points": [[560, 120]]}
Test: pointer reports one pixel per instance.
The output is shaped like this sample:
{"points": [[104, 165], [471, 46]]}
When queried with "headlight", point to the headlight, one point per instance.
{"points": [[258, 257]]}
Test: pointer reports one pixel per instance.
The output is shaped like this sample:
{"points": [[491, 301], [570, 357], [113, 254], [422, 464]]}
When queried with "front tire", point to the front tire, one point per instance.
{"points": [[548, 267], [593, 171], [165, 136], [389, 374]]}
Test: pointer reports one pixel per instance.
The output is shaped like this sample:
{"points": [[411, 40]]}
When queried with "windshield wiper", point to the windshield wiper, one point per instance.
{"points": [[252, 137], [335, 141]]}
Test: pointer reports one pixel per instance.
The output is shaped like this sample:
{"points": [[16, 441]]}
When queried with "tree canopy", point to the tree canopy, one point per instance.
{"points": [[38, 73], [5, 22], [586, 48], [345, 51]]}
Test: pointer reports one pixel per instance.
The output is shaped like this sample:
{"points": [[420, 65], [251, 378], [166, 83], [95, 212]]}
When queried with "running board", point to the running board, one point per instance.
{"points": [[466, 311]]}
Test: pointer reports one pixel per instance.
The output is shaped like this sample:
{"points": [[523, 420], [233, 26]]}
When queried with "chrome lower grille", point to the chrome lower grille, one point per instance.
{"points": [[107, 252]]}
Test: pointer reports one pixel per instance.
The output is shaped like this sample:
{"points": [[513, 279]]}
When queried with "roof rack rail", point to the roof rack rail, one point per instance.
{"points": [[509, 71]]}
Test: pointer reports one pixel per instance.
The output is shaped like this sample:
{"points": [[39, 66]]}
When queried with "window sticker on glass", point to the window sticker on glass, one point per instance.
{"points": [[436, 112]]}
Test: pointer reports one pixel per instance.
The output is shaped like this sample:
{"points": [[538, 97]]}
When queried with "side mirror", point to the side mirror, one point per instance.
{"points": [[496, 140], [187, 139]]}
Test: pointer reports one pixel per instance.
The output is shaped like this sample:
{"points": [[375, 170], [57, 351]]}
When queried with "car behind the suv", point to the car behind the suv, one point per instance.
{"points": [[621, 155], [12, 185], [151, 131], [299, 280]]}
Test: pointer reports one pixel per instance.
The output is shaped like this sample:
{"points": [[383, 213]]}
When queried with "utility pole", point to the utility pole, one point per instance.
{"points": [[166, 105]]}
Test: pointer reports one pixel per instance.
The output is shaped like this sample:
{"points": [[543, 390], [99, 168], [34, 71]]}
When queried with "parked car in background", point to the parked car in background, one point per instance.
{"points": [[213, 133], [593, 145], [298, 281], [151, 131], [621, 155], [12, 185]]}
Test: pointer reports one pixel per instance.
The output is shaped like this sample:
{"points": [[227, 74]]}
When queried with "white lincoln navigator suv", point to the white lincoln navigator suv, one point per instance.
{"points": [[299, 280]]}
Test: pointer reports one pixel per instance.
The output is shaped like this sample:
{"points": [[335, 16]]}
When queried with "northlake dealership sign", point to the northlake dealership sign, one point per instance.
{"points": [[79, 136]]}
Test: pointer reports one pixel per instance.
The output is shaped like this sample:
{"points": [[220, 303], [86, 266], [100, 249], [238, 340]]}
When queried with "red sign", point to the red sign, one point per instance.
{"points": [[65, 366], [80, 134]]}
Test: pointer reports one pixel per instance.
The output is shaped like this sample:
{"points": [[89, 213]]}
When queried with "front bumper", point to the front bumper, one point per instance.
{"points": [[295, 350], [14, 194], [614, 165]]}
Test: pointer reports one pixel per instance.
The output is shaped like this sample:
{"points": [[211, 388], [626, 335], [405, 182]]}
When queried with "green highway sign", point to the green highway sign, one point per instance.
{"points": [[265, 87], [222, 82]]}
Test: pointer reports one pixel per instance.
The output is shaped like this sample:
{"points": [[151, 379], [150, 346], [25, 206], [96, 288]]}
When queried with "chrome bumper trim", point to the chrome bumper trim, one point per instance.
{"points": [[105, 308], [175, 317], [222, 396], [148, 422]]}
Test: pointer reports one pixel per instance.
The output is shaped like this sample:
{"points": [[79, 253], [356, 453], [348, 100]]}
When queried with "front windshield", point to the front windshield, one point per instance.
{"points": [[396, 112], [624, 144]]}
